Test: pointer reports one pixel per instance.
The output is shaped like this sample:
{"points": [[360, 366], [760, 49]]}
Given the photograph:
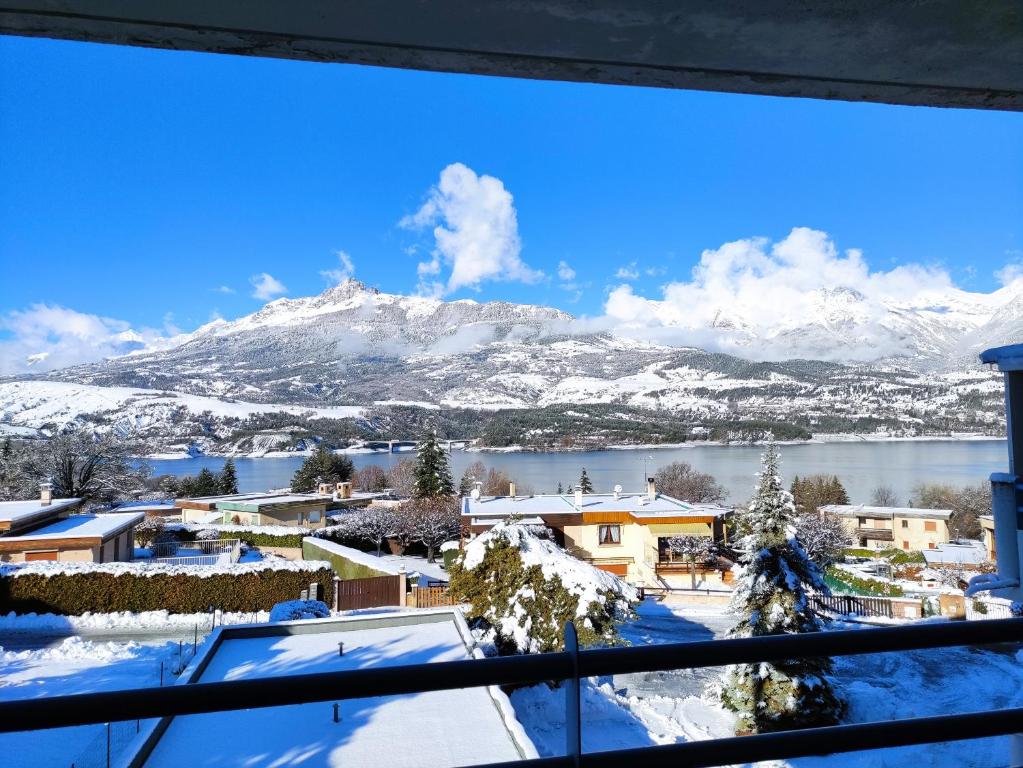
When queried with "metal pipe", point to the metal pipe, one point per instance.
{"points": [[573, 706]]}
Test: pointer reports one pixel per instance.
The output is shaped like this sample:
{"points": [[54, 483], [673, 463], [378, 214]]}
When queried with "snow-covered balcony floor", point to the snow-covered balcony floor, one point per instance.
{"points": [[443, 728]]}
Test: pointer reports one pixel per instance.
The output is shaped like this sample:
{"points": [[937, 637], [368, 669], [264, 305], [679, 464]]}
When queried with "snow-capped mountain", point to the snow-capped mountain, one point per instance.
{"points": [[357, 347]]}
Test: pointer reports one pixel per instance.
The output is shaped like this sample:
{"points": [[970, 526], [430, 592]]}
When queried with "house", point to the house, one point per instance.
{"points": [[906, 528], [47, 529], [165, 508], [297, 509], [624, 533], [276, 507], [987, 530]]}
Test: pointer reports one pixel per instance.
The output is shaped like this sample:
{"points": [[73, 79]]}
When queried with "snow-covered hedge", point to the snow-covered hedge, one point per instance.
{"points": [[77, 588], [524, 587], [253, 535]]}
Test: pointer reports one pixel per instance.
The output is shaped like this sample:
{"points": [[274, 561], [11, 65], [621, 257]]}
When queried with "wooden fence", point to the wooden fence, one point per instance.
{"points": [[431, 597], [374, 592], [853, 605]]}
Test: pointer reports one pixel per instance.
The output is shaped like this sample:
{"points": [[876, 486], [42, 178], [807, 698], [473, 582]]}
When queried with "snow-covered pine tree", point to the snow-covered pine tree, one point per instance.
{"points": [[433, 477], [771, 598], [584, 482]]}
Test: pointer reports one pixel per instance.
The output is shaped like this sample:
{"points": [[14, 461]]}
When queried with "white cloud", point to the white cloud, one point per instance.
{"points": [[475, 230], [266, 286], [345, 270], [565, 272], [787, 298], [45, 337], [1010, 273], [225, 289], [628, 272]]}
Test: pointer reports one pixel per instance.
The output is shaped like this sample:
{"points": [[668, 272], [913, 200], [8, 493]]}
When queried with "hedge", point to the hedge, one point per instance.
{"points": [[99, 592], [344, 567], [246, 535]]}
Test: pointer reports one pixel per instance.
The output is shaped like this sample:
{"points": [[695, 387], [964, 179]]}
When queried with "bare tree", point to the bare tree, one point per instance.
{"points": [[16, 481], [435, 520], [967, 505], [402, 477], [99, 468], [370, 478], [692, 550], [371, 524], [680, 480], [884, 496]]}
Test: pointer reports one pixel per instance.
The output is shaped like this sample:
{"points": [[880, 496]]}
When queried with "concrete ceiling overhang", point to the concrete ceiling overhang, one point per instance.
{"points": [[943, 53]]}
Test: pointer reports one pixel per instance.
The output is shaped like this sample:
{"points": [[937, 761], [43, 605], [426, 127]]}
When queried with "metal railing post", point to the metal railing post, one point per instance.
{"points": [[573, 707]]}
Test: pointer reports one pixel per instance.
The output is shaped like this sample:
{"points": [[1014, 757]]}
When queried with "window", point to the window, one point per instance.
{"points": [[863, 522], [905, 545], [609, 534], [314, 517], [931, 526], [905, 523]]}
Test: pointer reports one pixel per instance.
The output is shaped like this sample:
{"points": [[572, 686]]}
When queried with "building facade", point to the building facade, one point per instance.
{"points": [[907, 528], [623, 533]]}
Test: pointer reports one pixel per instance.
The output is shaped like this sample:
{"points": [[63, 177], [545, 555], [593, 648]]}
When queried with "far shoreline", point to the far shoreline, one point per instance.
{"points": [[838, 437]]}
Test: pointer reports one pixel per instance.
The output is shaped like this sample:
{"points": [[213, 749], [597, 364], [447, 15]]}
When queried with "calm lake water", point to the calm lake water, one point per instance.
{"points": [[860, 465]]}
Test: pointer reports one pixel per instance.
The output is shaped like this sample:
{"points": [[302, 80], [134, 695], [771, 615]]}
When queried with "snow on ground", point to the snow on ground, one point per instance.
{"points": [[121, 621], [666, 707], [75, 666], [443, 728]]}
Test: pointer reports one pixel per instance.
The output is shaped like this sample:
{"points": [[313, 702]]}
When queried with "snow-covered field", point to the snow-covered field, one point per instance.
{"points": [[76, 666], [666, 707]]}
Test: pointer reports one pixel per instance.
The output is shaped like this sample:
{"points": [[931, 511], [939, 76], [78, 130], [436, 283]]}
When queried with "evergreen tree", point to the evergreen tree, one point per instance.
{"points": [[813, 492], [207, 483], [560, 489], [771, 598], [584, 482], [228, 478], [433, 477], [322, 467]]}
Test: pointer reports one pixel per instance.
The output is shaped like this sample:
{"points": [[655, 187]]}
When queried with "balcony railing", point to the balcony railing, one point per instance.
{"points": [[572, 665], [878, 534]]}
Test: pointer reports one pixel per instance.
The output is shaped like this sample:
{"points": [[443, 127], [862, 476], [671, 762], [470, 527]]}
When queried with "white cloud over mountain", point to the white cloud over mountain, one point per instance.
{"points": [[266, 286], [344, 270], [45, 337], [475, 231], [800, 296]]}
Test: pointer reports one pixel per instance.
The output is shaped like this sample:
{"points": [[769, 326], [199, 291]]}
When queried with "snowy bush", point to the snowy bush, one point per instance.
{"points": [[293, 610], [522, 588], [771, 597], [148, 530]]}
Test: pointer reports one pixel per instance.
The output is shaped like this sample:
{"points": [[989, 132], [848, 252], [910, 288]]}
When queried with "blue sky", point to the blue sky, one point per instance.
{"points": [[150, 187]]}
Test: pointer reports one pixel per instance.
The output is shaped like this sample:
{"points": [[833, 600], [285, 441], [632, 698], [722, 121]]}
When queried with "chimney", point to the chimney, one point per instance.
{"points": [[324, 489], [45, 494], [651, 489], [344, 490], [579, 497], [511, 490]]}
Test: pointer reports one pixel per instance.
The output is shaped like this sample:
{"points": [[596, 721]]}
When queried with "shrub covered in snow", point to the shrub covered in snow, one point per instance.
{"points": [[292, 610], [523, 587], [253, 535], [771, 597]]}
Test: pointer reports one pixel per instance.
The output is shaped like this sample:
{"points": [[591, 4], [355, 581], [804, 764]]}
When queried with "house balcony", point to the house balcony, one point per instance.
{"points": [[877, 534]]}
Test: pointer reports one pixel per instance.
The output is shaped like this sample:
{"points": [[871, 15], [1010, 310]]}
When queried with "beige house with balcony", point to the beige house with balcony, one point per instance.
{"points": [[623, 533], [911, 529]]}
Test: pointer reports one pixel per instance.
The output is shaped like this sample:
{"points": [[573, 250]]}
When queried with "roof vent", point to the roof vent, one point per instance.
{"points": [[45, 494], [617, 492]]}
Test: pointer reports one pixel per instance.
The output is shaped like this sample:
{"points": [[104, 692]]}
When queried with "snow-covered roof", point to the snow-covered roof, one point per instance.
{"points": [[887, 513], [255, 503], [463, 726], [636, 504], [15, 513], [83, 527], [148, 506], [957, 553]]}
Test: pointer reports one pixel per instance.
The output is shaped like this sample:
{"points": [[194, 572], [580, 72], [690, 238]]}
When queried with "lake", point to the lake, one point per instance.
{"points": [[860, 465]]}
